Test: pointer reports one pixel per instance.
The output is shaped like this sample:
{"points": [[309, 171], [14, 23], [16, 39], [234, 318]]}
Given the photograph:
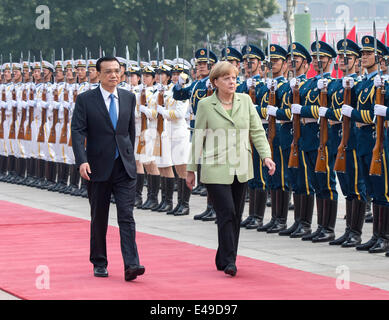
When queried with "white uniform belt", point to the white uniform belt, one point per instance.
{"points": [[361, 124], [264, 121], [308, 120], [285, 121], [333, 122]]}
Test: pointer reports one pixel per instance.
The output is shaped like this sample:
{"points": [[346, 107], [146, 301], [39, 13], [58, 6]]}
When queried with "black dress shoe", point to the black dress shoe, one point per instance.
{"points": [[255, 223], [100, 272], [231, 270], [132, 272], [211, 216], [245, 222]]}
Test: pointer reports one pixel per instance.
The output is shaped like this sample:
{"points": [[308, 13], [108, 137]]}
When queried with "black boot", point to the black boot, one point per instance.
{"points": [[163, 194], [330, 210], [3, 167], [41, 164], [307, 203], [211, 215], [179, 183], [155, 185], [259, 209], [199, 188], [248, 220], [369, 244], [357, 220], [146, 204], [344, 237], [74, 179], [319, 207], [169, 190], [31, 171], [369, 215], [296, 208], [138, 190], [282, 204], [183, 210], [272, 221], [206, 212], [382, 244]]}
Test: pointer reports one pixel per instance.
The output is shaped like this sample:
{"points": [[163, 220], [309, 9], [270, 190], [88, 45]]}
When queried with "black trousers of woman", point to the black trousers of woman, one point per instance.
{"points": [[228, 201]]}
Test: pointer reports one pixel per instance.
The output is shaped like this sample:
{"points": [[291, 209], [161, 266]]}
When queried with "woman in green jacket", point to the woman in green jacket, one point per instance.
{"points": [[226, 126]]}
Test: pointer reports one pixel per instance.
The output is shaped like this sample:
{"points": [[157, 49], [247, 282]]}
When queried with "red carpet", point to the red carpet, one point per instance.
{"points": [[174, 270]]}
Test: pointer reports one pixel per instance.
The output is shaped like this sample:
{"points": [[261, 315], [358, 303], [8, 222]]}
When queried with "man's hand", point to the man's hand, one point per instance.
{"points": [[269, 163], [190, 179], [85, 170]]}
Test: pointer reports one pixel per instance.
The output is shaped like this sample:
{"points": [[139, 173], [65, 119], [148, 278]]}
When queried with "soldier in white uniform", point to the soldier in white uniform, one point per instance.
{"points": [[149, 110], [7, 105]]}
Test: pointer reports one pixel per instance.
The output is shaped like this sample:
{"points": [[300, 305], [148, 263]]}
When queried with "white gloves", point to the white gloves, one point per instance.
{"points": [[271, 83], [380, 110], [181, 79], [271, 110], [378, 82], [350, 82], [249, 82], [161, 109], [322, 83], [296, 108], [293, 82], [146, 111], [208, 84], [322, 111], [347, 110]]}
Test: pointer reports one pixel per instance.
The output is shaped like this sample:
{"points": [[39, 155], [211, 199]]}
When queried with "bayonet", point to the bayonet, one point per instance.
{"points": [[72, 58], [377, 59], [320, 65], [226, 45], [29, 66], [100, 52], [345, 48], [127, 60], [208, 63], [10, 62], [114, 51], [62, 59], [270, 67], [292, 54], [53, 62], [86, 63]]}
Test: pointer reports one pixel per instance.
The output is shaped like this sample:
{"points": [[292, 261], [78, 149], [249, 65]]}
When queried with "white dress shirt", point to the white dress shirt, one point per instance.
{"points": [[107, 99]]}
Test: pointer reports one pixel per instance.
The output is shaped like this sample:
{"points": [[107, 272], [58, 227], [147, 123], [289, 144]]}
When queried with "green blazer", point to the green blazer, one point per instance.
{"points": [[221, 143]]}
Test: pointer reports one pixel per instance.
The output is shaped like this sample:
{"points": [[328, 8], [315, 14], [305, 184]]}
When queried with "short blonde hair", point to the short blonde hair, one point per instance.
{"points": [[222, 69]]}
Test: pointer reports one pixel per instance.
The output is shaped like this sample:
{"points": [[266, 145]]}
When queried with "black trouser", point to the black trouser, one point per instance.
{"points": [[99, 194], [228, 202]]}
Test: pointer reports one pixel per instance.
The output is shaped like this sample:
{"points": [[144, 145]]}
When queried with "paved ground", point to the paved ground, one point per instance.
{"points": [[317, 258]]}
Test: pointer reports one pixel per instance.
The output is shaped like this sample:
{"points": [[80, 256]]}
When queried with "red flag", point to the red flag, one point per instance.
{"points": [[387, 36], [352, 35]]}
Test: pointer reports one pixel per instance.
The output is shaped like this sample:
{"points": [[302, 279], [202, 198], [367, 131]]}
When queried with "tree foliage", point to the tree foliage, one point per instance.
{"points": [[108, 23]]}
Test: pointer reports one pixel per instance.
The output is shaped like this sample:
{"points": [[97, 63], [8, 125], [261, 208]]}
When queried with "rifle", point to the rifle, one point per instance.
{"points": [[340, 162], [158, 142], [75, 93], [376, 162], [271, 133], [27, 135], [24, 116], [3, 98], [294, 148], [64, 130], [209, 89], [53, 137], [41, 134], [322, 156], [142, 140], [12, 129]]}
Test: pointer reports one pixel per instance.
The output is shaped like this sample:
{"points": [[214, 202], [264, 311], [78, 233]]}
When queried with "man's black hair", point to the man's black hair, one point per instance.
{"points": [[105, 59]]}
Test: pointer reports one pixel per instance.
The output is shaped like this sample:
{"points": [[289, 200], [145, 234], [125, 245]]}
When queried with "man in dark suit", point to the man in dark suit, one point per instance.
{"points": [[105, 118]]}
